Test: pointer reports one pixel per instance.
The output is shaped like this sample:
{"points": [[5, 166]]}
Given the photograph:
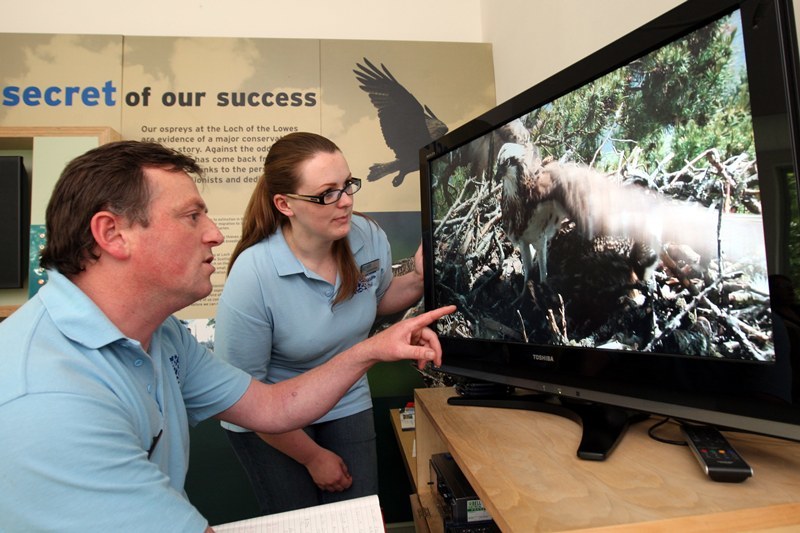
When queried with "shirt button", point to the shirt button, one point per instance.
{"points": [[149, 388], [138, 362], [328, 293]]}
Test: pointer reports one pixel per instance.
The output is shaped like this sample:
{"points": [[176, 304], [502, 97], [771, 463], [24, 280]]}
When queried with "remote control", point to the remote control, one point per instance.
{"points": [[407, 419], [716, 456]]}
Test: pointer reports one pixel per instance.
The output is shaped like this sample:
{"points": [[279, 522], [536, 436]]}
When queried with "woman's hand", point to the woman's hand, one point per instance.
{"points": [[329, 471]]}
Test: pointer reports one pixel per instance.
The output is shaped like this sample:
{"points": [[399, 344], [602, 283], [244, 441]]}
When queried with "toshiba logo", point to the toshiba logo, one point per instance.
{"points": [[540, 357]]}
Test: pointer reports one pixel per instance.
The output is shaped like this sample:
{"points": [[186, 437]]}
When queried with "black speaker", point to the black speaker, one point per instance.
{"points": [[14, 222]]}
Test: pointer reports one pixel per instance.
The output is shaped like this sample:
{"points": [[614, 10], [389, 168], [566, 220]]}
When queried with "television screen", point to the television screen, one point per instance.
{"points": [[618, 232]]}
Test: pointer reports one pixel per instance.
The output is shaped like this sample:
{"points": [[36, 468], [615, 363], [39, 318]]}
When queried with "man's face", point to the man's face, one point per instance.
{"points": [[173, 253]]}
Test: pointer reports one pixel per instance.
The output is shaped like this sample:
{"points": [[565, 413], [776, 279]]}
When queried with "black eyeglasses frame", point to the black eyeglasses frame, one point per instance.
{"points": [[320, 198]]}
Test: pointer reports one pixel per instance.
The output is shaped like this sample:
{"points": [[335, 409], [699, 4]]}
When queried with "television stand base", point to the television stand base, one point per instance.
{"points": [[603, 425]]}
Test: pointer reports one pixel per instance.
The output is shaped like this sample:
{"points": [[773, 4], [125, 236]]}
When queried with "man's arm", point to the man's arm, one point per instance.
{"points": [[296, 402]]}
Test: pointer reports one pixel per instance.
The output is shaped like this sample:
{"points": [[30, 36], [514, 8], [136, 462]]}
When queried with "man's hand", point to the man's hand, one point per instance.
{"points": [[409, 339]]}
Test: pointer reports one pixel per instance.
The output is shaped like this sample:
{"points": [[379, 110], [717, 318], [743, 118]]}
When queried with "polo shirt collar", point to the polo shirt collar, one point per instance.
{"points": [[75, 314], [285, 261]]}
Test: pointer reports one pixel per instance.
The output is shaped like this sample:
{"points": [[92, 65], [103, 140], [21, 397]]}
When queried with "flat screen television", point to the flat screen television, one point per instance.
{"points": [[623, 238]]}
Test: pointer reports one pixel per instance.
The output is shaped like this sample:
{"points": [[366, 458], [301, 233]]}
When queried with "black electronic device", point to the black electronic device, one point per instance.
{"points": [[694, 118], [718, 459], [14, 222], [461, 508]]}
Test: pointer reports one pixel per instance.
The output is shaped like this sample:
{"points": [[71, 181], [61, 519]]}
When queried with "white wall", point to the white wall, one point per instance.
{"points": [[523, 32], [532, 39], [413, 20]]}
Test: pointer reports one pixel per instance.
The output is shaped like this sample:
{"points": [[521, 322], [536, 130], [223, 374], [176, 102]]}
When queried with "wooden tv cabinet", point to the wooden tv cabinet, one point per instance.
{"points": [[524, 467]]}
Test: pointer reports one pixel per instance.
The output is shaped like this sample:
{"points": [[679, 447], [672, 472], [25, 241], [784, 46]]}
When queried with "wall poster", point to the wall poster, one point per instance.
{"points": [[226, 100]]}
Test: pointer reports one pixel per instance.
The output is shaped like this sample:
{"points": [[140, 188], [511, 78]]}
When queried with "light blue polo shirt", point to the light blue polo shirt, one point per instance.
{"points": [[80, 406], [275, 319]]}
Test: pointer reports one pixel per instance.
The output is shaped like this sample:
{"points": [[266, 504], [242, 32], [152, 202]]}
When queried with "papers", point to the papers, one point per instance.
{"points": [[360, 515]]}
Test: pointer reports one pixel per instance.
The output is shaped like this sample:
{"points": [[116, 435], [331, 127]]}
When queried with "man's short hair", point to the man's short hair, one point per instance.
{"points": [[107, 178]]}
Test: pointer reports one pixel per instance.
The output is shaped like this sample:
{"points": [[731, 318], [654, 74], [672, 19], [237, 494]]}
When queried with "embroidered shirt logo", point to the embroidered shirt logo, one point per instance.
{"points": [[369, 272], [363, 285]]}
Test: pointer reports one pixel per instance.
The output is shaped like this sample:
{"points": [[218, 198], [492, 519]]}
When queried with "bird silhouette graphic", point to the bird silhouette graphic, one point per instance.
{"points": [[406, 124]]}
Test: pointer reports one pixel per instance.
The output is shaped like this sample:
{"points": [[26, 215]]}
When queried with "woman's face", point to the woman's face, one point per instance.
{"points": [[322, 173]]}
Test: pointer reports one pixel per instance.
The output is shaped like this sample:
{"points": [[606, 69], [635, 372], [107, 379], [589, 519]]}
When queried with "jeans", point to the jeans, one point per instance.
{"points": [[282, 484]]}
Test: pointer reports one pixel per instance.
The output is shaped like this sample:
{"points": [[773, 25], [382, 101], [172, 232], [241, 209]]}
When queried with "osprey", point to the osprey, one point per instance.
{"points": [[531, 205], [406, 124], [538, 197]]}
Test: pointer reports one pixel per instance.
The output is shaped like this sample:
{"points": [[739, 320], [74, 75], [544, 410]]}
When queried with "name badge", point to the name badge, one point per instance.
{"points": [[369, 273], [371, 267]]}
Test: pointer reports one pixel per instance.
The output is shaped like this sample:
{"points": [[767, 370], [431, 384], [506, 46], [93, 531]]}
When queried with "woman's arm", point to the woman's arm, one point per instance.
{"points": [[404, 291], [327, 469]]}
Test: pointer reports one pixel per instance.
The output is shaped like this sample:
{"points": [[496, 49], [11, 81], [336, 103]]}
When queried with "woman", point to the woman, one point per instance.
{"points": [[305, 282]]}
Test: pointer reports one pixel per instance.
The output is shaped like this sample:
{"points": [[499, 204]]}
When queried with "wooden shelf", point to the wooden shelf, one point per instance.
{"points": [[406, 440], [524, 467], [25, 134]]}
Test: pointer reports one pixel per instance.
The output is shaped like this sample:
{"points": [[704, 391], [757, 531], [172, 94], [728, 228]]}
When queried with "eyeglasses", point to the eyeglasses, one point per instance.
{"points": [[351, 186]]}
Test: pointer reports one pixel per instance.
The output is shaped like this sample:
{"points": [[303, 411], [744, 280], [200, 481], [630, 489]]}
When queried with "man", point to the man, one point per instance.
{"points": [[98, 382]]}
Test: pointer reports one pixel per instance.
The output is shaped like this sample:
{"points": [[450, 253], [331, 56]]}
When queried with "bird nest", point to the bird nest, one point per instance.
{"points": [[605, 292]]}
